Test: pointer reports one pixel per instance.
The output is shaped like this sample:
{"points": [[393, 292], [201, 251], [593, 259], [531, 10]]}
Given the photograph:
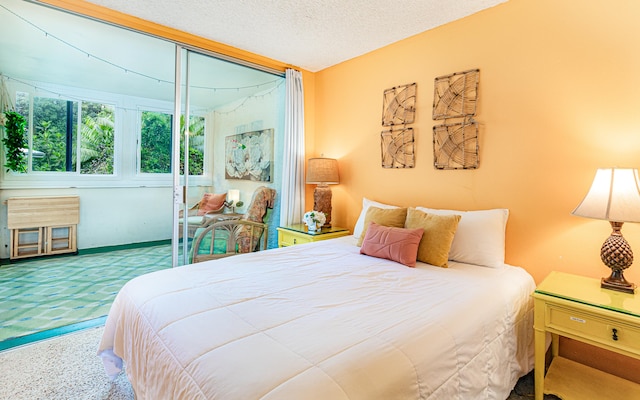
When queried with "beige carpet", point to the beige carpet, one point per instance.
{"points": [[65, 367]]}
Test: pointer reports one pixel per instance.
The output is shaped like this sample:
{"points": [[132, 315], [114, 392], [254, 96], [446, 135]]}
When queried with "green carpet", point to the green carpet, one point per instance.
{"points": [[40, 295]]}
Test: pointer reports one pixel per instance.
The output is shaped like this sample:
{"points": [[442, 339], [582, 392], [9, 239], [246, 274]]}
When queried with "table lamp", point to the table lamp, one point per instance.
{"points": [[323, 172], [614, 196], [233, 197]]}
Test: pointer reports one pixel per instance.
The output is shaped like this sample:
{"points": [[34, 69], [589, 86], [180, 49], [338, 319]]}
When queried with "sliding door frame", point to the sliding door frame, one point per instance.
{"points": [[181, 38], [185, 43]]}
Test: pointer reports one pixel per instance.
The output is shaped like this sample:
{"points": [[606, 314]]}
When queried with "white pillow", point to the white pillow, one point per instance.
{"points": [[366, 203], [480, 236]]}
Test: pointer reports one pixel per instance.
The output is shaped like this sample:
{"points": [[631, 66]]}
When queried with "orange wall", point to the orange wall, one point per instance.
{"points": [[559, 97]]}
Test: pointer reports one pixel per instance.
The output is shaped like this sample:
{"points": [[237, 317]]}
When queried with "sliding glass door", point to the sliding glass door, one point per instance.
{"points": [[229, 146], [106, 115]]}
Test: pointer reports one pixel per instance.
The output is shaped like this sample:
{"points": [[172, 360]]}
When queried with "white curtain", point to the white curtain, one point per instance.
{"points": [[293, 192], [5, 100]]}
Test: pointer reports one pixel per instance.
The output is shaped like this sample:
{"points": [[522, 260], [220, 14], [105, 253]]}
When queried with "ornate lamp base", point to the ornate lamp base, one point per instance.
{"points": [[617, 255], [625, 286], [322, 202]]}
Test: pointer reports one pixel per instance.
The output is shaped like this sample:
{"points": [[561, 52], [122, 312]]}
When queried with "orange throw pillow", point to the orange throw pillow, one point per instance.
{"points": [[211, 202]]}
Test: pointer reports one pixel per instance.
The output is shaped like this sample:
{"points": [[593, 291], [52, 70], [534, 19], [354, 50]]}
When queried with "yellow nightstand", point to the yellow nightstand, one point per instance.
{"points": [[576, 307], [298, 234]]}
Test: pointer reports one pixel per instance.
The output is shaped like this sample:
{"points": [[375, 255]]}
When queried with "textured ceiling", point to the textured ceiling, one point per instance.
{"points": [[310, 34]]}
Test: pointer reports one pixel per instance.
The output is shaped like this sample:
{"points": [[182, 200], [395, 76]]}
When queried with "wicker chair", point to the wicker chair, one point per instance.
{"points": [[228, 238], [197, 219], [218, 237]]}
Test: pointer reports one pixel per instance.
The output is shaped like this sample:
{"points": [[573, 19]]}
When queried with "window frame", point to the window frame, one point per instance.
{"points": [[197, 180], [126, 153]]}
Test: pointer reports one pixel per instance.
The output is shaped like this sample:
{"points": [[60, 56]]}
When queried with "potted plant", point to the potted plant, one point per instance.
{"points": [[14, 143]]}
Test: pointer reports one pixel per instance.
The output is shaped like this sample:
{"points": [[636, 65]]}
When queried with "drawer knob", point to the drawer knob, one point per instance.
{"points": [[295, 241], [615, 334]]}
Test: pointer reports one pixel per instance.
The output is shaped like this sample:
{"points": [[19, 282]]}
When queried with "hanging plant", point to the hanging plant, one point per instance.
{"points": [[14, 143]]}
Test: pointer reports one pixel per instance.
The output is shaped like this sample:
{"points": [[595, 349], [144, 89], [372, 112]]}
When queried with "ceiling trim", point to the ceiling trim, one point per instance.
{"points": [[127, 21]]}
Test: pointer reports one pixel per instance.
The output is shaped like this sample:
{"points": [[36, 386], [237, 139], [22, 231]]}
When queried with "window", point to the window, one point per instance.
{"points": [[52, 134], [155, 143], [196, 145]]}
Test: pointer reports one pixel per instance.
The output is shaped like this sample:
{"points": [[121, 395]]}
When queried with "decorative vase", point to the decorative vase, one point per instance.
{"points": [[312, 227]]}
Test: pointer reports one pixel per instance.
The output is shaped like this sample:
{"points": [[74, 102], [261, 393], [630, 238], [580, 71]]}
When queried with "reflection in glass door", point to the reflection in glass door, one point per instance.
{"points": [[223, 100], [101, 115]]}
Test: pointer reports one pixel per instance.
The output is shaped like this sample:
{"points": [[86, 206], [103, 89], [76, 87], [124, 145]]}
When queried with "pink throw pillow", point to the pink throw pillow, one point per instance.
{"points": [[395, 244], [211, 202]]}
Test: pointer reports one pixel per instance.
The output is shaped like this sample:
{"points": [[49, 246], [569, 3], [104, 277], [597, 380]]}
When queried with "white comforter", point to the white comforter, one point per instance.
{"points": [[320, 321]]}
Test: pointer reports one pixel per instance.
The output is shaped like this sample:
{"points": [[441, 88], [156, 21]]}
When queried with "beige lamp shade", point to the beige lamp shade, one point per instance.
{"points": [[322, 171], [233, 196], [614, 196]]}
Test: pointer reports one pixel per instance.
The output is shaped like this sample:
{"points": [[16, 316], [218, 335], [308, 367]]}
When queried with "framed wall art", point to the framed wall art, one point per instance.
{"points": [[249, 156]]}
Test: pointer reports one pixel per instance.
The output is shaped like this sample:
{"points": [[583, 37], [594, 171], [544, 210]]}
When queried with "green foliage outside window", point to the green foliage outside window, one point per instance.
{"points": [[96, 153], [155, 139], [155, 143], [14, 142], [196, 145], [49, 140], [96, 143], [49, 149], [50, 132]]}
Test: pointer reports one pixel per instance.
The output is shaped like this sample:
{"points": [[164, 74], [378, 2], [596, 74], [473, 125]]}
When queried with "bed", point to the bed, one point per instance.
{"points": [[322, 321]]}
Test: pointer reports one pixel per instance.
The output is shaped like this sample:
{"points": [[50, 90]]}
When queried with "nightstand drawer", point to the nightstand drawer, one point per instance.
{"points": [[599, 329], [290, 240], [298, 234]]}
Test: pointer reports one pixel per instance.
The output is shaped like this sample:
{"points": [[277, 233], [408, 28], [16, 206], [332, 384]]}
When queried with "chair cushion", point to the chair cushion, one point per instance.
{"points": [[211, 202], [219, 245], [192, 220]]}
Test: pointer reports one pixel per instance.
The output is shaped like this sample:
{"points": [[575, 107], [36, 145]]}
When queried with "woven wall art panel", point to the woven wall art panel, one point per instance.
{"points": [[455, 95], [455, 146], [398, 148], [399, 105], [455, 141]]}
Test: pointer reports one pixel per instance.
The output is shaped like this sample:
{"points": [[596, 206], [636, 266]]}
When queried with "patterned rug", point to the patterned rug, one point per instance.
{"points": [[40, 296]]}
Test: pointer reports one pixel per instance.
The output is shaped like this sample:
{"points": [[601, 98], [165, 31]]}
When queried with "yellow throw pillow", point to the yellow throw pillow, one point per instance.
{"points": [[394, 217], [438, 235]]}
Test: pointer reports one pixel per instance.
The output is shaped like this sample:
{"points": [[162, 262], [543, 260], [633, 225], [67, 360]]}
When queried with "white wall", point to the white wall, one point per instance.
{"points": [[262, 111], [108, 216]]}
